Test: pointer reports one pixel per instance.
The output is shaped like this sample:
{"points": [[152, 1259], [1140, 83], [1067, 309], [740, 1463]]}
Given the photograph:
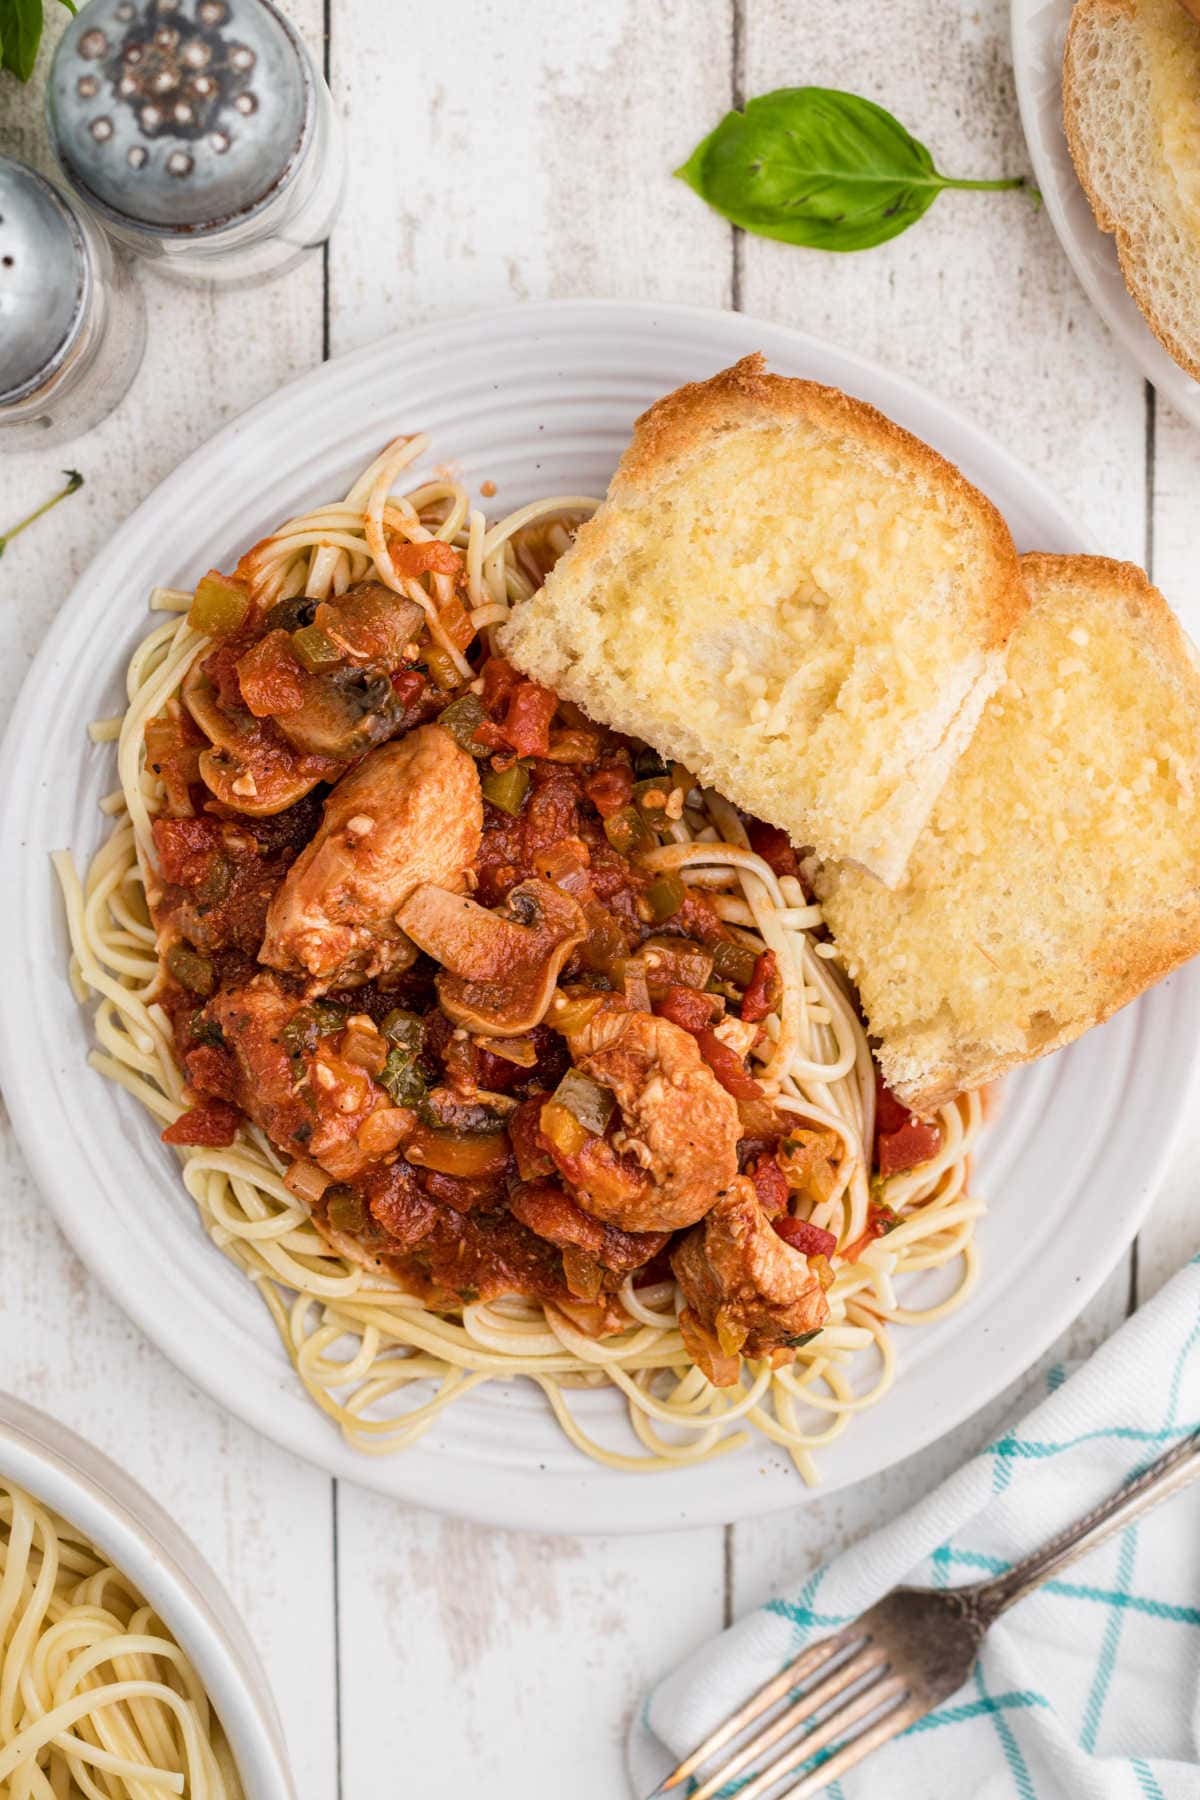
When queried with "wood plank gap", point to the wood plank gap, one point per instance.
{"points": [[1151, 459], [727, 1596], [737, 95], [1148, 556], [337, 1640]]}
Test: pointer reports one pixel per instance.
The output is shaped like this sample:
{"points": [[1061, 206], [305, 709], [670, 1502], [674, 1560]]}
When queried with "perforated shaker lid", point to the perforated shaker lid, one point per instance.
{"points": [[44, 277], [180, 115]]}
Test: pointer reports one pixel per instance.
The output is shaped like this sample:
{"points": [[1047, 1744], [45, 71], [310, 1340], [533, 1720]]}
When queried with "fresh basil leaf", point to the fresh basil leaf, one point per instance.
{"points": [[818, 167], [20, 34]]}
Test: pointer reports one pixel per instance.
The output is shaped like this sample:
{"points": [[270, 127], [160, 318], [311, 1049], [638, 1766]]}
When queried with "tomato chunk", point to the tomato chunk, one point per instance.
{"points": [[728, 1068], [213, 1124], [211, 1072], [810, 1240], [762, 991], [610, 790], [902, 1140], [435, 557], [270, 677], [774, 846], [499, 680], [769, 1185], [916, 1142], [527, 720], [686, 1007]]}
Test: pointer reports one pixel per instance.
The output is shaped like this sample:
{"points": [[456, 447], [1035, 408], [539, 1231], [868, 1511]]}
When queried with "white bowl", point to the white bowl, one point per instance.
{"points": [[67, 1474]]}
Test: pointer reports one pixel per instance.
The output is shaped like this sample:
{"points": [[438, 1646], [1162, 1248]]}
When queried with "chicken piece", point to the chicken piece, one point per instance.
{"points": [[674, 1151], [310, 1104], [747, 1291], [411, 812], [552, 1214]]}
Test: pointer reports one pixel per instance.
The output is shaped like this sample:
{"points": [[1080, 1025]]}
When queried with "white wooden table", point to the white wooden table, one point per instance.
{"points": [[499, 150]]}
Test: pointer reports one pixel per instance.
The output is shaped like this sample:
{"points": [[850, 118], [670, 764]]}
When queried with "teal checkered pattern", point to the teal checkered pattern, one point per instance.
{"points": [[1090, 1689]]}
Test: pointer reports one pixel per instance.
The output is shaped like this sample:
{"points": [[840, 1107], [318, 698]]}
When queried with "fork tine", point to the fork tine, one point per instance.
{"points": [[808, 1661], [810, 1702], [897, 1720], [881, 1691]]}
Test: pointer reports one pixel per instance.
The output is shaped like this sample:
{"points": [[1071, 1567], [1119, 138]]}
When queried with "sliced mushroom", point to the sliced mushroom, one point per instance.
{"points": [[246, 768], [500, 968], [371, 624], [343, 714], [348, 710]]}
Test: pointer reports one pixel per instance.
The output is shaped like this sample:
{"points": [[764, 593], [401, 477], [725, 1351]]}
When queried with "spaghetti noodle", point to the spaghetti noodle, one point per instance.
{"points": [[381, 1363], [96, 1697]]}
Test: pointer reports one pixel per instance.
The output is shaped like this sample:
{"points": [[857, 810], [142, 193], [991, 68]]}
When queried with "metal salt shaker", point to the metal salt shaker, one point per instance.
{"points": [[200, 132], [72, 325]]}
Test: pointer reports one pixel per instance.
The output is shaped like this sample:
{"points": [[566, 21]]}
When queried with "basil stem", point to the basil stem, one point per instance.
{"points": [[74, 481], [819, 167]]}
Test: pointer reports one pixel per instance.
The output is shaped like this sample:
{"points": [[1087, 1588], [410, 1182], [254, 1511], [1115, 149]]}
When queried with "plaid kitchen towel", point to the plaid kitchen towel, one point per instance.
{"points": [[1087, 1690]]}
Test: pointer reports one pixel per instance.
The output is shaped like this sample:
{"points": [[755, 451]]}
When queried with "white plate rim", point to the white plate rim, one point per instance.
{"points": [[1037, 31], [525, 1499]]}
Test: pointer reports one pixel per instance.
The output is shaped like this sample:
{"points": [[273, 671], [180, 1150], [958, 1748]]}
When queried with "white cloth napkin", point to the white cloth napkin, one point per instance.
{"points": [[1087, 1690]]}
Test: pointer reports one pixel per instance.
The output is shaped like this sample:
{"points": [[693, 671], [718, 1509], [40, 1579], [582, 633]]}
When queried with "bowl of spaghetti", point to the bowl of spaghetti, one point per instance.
{"points": [[124, 1668]]}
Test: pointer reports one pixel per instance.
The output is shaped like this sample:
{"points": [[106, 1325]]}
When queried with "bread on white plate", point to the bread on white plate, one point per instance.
{"points": [[1131, 109], [1060, 873], [794, 597]]}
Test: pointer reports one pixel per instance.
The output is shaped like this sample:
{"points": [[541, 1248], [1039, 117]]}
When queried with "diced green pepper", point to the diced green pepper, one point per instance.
{"points": [[442, 667], [402, 1079], [191, 971], [628, 832], [344, 1208], [206, 1031], [462, 718], [585, 1100], [664, 897], [507, 788], [650, 798], [734, 962], [404, 1030], [315, 650], [219, 605]]}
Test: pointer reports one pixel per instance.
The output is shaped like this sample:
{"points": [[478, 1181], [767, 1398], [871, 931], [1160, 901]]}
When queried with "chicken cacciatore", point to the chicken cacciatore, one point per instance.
{"points": [[406, 930]]}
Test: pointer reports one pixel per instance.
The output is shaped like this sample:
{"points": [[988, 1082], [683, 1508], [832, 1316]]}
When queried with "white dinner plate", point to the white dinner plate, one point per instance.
{"points": [[540, 400], [1039, 30]]}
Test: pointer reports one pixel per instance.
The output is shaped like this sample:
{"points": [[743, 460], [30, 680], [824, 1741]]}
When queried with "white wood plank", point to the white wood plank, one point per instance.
{"points": [[521, 150], [978, 304], [535, 161], [479, 1661], [263, 1519], [976, 301]]}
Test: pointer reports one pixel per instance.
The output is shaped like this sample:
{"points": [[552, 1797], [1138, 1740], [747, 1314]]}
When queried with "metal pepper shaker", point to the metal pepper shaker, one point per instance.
{"points": [[200, 132], [72, 324]]}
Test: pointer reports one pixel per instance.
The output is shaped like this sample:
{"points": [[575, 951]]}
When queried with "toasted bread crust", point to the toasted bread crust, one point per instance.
{"points": [[560, 634], [1128, 242], [745, 394], [1122, 962]]}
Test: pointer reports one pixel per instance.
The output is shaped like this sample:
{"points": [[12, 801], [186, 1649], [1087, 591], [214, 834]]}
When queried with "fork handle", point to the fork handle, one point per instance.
{"points": [[1166, 1476]]}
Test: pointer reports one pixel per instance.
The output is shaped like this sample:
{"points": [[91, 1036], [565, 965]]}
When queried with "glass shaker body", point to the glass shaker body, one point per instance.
{"points": [[200, 132], [72, 322]]}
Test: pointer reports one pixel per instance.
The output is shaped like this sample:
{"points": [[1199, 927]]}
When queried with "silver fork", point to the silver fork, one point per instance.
{"points": [[912, 1650]]}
